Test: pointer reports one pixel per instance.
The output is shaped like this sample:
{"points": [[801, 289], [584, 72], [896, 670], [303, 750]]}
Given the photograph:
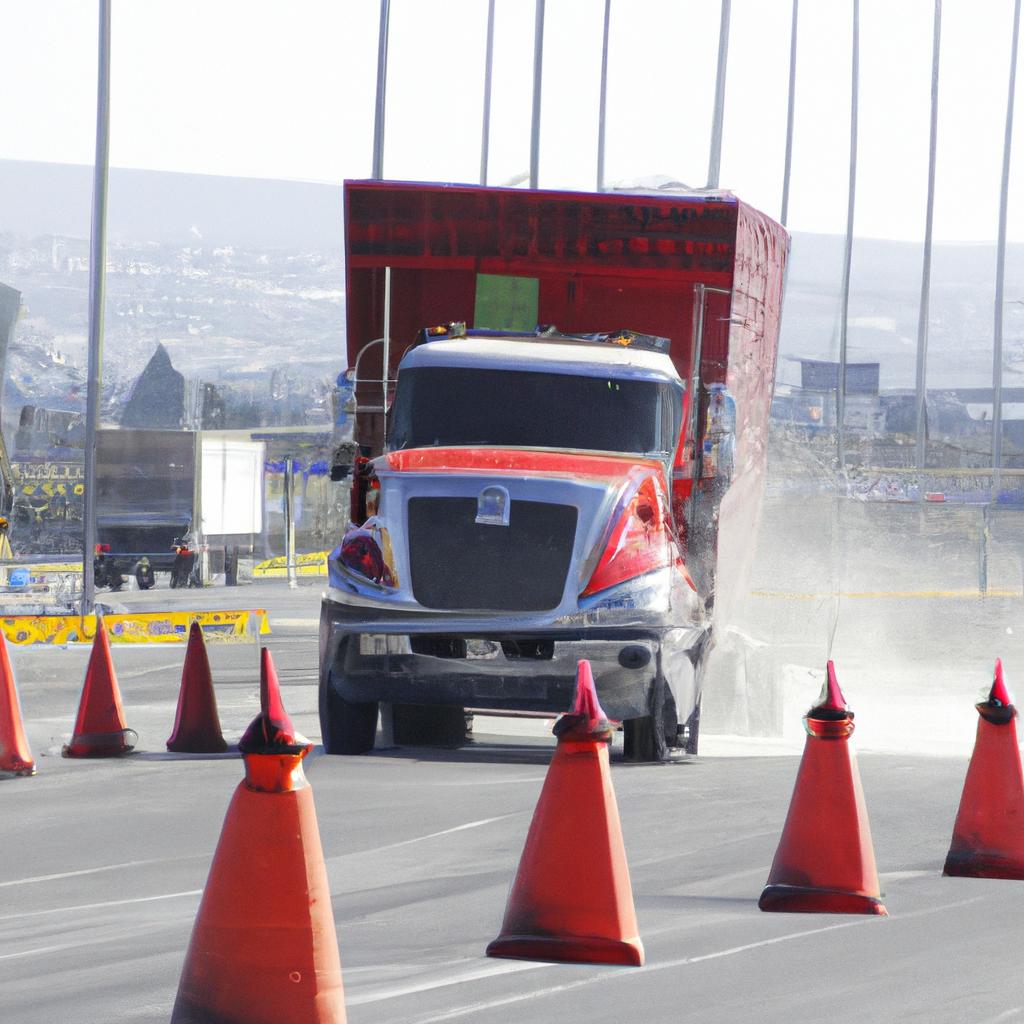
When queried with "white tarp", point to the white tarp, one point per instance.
{"points": [[232, 486]]}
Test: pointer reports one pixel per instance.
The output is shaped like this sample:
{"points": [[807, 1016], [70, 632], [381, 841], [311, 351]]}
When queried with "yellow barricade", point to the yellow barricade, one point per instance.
{"points": [[139, 628], [313, 564]]}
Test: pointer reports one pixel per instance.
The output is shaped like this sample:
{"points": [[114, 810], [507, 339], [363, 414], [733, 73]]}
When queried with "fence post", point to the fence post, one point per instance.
{"points": [[983, 551]]}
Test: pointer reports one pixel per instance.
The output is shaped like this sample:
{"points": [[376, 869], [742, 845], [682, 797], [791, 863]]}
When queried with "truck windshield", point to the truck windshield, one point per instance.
{"points": [[448, 406]]}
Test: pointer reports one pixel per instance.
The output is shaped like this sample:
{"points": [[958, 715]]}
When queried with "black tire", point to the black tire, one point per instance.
{"points": [[639, 742], [648, 738], [428, 725], [692, 735], [347, 727]]}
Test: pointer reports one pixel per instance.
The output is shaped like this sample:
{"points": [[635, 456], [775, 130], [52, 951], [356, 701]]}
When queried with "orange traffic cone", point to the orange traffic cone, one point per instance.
{"points": [[15, 757], [825, 862], [196, 722], [264, 949], [571, 899], [100, 730], [988, 837]]}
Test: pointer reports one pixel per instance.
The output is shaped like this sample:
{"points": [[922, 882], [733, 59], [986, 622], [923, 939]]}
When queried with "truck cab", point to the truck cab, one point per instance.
{"points": [[521, 521]]}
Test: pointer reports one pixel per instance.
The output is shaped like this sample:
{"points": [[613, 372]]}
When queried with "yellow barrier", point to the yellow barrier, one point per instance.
{"points": [[139, 628], [313, 564]]}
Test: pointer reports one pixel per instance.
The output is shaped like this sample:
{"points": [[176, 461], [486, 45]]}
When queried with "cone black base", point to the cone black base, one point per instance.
{"points": [[798, 899], [584, 949], [975, 866]]}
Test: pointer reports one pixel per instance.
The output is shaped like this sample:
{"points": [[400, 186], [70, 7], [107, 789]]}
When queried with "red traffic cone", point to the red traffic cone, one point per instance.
{"points": [[825, 862], [571, 899], [263, 948], [196, 723], [100, 730], [15, 757], [988, 837]]}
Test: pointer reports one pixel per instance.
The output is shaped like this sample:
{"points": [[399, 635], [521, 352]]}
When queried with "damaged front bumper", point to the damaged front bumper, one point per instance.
{"points": [[372, 654]]}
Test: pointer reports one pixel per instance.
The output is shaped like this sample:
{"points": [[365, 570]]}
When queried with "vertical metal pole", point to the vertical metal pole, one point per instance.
{"points": [[485, 135], [983, 536], [715, 158], [538, 70], [848, 248], [289, 520], [382, 83], [997, 344], [97, 280], [692, 429], [386, 357], [790, 112], [202, 551], [926, 269], [602, 109]]}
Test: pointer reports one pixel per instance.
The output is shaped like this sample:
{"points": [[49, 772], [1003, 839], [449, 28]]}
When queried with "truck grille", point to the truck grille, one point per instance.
{"points": [[458, 563]]}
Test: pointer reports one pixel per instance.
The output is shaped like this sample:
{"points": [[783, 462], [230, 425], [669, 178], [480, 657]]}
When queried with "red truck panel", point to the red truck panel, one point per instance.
{"points": [[603, 261]]}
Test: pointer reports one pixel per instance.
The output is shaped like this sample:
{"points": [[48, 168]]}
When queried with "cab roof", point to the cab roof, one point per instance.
{"points": [[543, 354]]}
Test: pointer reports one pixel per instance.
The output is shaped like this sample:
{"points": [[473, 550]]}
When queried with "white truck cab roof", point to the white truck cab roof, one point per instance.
{"points": [[540, 354]]}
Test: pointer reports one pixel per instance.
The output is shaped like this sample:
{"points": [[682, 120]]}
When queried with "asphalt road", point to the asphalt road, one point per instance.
{"points": [[102, 864]]}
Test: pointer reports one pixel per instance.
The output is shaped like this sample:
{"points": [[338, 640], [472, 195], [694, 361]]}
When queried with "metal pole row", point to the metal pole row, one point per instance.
{"points": [[848, 247], [997, 340], [538, 74], [485, 134], [926, 267], [790, 111], [97, 281], [715, 156], [603, 102], [382, 84]]}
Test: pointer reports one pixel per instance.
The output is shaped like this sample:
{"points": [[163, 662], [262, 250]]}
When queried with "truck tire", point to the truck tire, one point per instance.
{"points": [[648, 738], [692, 735], [347, 727], [640, 740], [433, 725]]}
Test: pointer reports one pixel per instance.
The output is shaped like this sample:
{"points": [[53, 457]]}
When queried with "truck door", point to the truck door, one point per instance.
{"points": [[692, 491]]}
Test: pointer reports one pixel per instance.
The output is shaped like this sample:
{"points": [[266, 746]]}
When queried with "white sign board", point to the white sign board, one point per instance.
{"points": [[232, 486]]}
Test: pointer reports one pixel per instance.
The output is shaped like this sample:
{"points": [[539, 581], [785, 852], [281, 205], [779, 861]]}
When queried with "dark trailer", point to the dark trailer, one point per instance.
{"points": [[145, 493]]}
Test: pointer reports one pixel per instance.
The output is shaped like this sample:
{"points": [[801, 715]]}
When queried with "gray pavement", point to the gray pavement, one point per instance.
{"points": [[102, 864]]}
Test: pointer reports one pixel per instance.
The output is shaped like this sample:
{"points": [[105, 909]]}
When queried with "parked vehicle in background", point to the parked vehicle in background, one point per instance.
{"points": [[543, 495], [145, 497]]}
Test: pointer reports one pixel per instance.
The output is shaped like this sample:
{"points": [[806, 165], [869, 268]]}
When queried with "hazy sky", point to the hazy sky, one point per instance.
{"points": [[269, 88]]}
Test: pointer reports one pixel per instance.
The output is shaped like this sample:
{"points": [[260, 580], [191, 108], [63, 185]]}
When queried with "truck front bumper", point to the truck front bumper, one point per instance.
{"points": [[383, 657]]}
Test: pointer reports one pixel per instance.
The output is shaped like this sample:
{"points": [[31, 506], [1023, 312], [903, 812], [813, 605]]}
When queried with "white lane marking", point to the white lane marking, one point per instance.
{"points": [[43, 949], [84, 871], [621, 973], [1005, 1015], [434, 835], [138, 672], [100, 906], [475, 973], [902, 876]]}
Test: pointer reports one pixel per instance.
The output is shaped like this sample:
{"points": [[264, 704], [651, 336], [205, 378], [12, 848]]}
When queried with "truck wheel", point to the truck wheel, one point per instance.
{"points": [[423, 725], [648, 738], [692, 734], [347, 727], [640, 739]]}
